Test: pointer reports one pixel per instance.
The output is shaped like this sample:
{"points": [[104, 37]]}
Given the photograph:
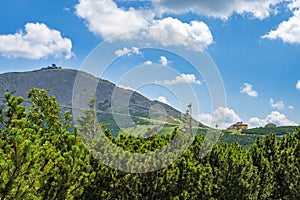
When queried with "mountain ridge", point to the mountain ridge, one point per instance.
{"points": [[59, 82]]}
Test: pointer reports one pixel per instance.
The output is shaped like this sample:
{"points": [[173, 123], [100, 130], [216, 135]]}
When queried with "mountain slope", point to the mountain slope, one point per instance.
{"points": [[60, 83]]}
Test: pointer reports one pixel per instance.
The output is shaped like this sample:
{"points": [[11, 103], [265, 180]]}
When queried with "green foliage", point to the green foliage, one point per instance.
{"points": [[39, 158], [104, 105], [268, 170], [281, 130], [244, 140], [42, 157]]}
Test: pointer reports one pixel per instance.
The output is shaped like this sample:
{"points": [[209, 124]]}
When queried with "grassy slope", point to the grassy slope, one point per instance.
{"points": [[247, 137]]}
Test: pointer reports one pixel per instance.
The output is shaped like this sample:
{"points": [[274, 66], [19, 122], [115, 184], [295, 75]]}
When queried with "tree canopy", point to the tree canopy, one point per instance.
{"points": [[43, 156]]}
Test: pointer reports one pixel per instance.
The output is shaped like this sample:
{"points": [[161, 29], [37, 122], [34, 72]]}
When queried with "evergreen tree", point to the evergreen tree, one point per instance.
{"points": [[40, 158]]}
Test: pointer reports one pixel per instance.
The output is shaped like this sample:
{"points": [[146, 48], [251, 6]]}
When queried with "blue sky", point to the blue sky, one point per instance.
{"points": [[254, 44]]}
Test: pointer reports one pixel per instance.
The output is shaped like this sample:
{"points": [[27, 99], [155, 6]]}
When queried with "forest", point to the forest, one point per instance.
{"points": [[43, 156]]}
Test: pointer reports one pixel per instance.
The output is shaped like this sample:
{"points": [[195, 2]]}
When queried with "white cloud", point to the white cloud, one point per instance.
{"points": [[218, 8], [291, 107], [37, 41], [66, 9], [126, 87], [228, 115], [278, 105], [182, 78], [205, 119], [163, 60], [256, 122], [148, 62], [126, 51], [122, 52], [163, 100], [171, 31], [288, 31], [135, 50], [279, 118], [248, 89], [222, 116], [298, 85], [294, 4], [106, 19], [274, 117]]}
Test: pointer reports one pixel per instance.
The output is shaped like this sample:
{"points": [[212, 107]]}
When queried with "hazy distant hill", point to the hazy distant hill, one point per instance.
{"points": [[60, 83]]}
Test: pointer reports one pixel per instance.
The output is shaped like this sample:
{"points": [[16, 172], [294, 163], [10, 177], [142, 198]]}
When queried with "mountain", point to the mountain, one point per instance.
{"points": [[59, 82]]}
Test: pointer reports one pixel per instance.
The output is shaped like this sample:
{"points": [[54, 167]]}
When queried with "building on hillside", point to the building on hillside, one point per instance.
{"points": [[270, 125], [238, 126]]}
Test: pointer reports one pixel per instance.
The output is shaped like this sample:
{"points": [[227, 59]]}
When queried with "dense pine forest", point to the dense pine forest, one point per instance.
{"points": [[42, 156]]}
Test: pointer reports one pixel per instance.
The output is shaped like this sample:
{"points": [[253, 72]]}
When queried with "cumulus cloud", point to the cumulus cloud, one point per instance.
{"points": [[163, 100], [278, 105], [66, 9], [248, 89], [274, 117], [148, 62], [122, 52], [35, 42], [106, 19], [163, 60], [172, 31], [218, 8], [256, 122], [288, 31], [279, 118], [126, 87], [205, 119], [126, 51], [222, 116], [294, 4], [298, 85], [182, 78]]}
